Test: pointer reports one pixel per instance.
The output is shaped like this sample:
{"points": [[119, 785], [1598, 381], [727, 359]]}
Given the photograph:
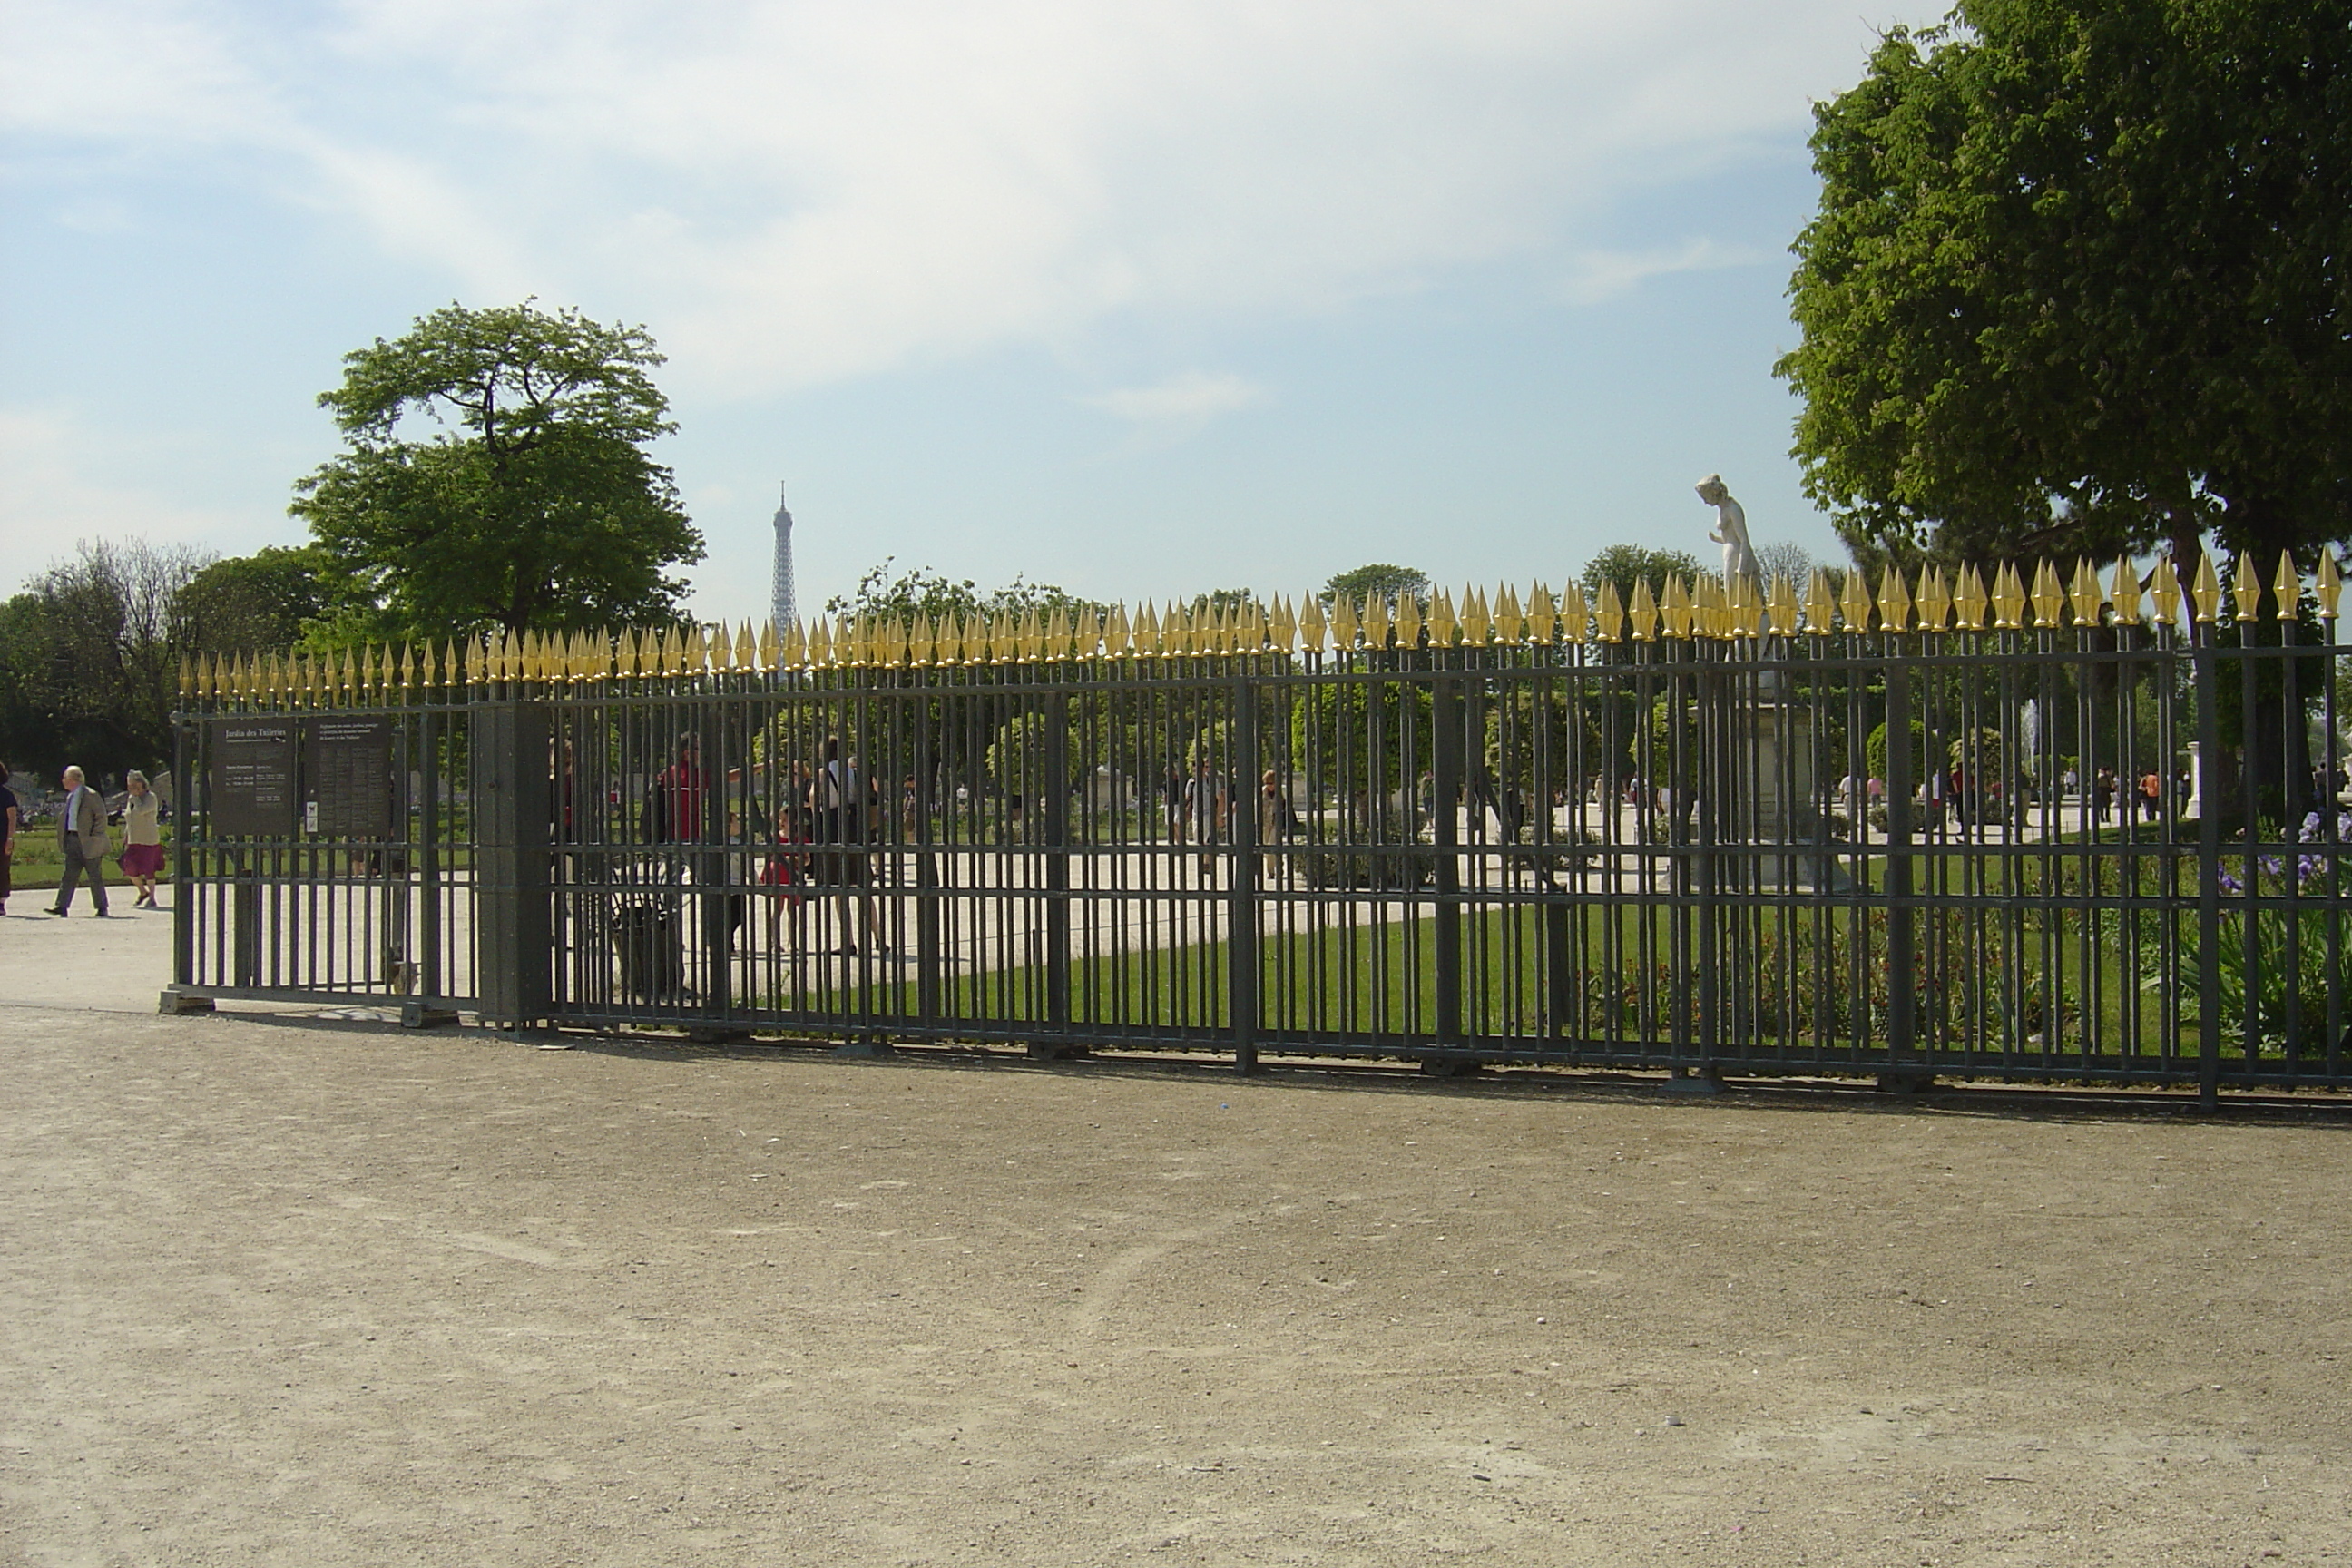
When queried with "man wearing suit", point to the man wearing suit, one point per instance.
{"points": [[81, 836]]}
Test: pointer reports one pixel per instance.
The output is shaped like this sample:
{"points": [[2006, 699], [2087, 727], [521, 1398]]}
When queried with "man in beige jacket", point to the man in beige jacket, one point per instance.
{"points": [[81, 836]]}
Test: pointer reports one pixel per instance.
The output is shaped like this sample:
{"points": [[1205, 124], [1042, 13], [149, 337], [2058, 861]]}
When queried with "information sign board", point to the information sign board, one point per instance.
{"points": [[347, 778], [252, 777]]}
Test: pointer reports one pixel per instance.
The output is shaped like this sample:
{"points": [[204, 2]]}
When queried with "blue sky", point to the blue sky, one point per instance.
{"points": [[1141, 301]]}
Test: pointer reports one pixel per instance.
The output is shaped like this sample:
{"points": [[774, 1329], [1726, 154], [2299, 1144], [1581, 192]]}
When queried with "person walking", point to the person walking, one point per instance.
{"points": [[81, 838], [1272, 824], [8, 820], [142, 838]]}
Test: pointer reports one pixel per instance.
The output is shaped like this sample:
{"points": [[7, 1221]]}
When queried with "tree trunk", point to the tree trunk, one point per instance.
{"points": [[2271, 741]]}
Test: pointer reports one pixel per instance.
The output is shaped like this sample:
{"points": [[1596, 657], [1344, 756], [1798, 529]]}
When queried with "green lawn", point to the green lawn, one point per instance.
{"points": [[2007, 982], [38, 861]]}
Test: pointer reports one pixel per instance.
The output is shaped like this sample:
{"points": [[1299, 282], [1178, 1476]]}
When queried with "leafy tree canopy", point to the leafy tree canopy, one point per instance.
{"points": [[1391, 582], [266, 600], [1623, 565], [920, 591], [2079, 282], [89, 658], [495, 475]]}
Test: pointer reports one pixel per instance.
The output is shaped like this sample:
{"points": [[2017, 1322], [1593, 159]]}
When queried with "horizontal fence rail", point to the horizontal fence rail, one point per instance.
{"points": [[1963, 829]]}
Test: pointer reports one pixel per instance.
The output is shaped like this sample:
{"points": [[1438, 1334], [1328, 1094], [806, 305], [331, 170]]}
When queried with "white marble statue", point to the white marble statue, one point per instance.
{"points": [[1730, 531]]}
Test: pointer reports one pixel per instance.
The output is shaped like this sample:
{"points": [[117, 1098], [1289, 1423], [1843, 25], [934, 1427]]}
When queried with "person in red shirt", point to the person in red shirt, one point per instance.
{"points": [[679, 791]]}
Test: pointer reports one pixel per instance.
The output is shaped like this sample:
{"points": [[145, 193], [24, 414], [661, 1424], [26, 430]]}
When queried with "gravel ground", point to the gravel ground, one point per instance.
{"points": [[290, 1290]]}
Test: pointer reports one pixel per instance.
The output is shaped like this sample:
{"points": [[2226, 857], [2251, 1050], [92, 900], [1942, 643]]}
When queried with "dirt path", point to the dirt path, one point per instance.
{"points": [[294, 1291]]}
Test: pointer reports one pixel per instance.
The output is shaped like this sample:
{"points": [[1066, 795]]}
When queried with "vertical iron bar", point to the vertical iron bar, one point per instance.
{"points": [[1901, 1018], [2209, 873], [1242, 886], [1445, 791]]}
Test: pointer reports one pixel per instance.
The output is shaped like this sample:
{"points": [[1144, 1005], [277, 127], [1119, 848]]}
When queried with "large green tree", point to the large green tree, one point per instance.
{"points": [[1625, 566], [534, 504], [2078, 283], [89, 658], [268, 599], [1392, 582]]}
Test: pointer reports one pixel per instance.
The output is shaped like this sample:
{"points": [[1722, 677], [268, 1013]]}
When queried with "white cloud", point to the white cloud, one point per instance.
{"points": [[796, 191], [1189, 398], [1596, 275], [54, 496]]}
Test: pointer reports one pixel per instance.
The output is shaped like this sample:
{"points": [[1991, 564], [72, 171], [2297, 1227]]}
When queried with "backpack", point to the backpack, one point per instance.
{"points": [[655, 817]]}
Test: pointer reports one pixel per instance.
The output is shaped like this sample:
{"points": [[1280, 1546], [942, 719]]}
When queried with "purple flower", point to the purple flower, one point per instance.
{"points": [[2228, 884]]}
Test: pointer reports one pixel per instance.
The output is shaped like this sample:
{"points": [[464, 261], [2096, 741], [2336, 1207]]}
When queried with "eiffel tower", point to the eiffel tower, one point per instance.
{"points": [[781, 606]]}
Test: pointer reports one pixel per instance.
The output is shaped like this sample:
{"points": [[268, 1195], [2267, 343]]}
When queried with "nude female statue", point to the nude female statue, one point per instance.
{"points": [[1730, 531]]}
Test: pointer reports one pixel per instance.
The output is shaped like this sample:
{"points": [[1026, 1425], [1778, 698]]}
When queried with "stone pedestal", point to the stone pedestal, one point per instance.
{"points": [[1773, 789]]}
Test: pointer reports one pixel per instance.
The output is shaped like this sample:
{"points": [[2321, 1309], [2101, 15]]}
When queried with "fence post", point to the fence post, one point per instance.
{"points": [[1055, 815], [1445, 781], [183, 858], [1242, 886], [1902, 1022], [428, 852], [2208, 870], [512, 795], [930, 801]]}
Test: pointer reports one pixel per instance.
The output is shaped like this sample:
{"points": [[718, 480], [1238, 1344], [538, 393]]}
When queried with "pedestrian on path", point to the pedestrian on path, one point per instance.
{"points": [[81, 838], [8, 820], [142, 838]]}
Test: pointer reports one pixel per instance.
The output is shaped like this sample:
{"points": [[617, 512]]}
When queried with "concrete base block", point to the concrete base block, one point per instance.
{"points": [[417, 1015], [865, 1050], [175, 1003], [1905, 1080], [1701, 1080], [1058, 1050], [1449, 1067]]}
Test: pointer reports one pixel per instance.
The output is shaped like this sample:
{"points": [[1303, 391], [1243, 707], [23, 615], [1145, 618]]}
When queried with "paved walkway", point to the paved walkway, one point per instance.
{"points": [[118, 964], [276, 1290]]}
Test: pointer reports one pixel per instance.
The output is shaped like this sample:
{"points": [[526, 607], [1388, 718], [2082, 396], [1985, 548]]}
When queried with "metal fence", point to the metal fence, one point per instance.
{"points": [[1964, 828]]}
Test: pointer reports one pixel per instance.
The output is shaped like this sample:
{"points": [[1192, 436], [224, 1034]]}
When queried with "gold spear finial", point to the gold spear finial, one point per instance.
{"points": [[1644, 613], [2007, 599], [2164, 589], [1543, 616], [1857, 605], [1710, 606], [2088, 599], [2330, 586], [2123, 591], [2205, 590], [1675, 609], [2248, 593], [1611, 614], [1510, 622], [1575, 613], [2049, 596], [1969, 600], [1820, 605], [1935, 600], [1312, 627], [2288, 588], [1893, 601]]}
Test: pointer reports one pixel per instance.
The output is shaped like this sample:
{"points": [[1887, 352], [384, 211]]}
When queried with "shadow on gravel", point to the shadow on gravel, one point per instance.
{"points": [[2057, 1103]]}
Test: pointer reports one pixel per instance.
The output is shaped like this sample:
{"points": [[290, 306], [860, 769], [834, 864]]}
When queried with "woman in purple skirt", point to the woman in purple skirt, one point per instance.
{"points": [[142, 838]]}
